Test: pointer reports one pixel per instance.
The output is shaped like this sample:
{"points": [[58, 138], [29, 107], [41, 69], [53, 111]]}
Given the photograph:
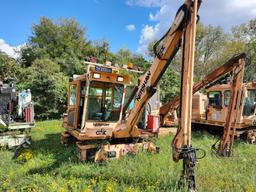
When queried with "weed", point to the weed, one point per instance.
{"points": [[54, 167]]}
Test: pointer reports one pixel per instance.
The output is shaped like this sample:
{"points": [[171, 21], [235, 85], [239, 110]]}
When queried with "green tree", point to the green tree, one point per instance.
{"points": [[210, 42], [101, 51], [48, 86], [169, 85], [170, 82], [8, 67], [63, 42], [140, 61], [245, 36], [123, 56]]}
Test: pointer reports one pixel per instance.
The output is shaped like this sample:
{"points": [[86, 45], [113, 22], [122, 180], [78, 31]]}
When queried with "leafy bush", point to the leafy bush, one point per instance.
{"points": [[48, 86]]}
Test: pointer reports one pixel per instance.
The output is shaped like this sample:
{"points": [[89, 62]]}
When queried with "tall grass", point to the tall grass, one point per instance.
{"points": [[56, 168]]}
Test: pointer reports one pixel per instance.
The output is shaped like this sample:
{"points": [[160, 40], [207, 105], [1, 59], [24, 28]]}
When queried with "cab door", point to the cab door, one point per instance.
{"points": [[73, 103], [226, 100], [215, 109]]}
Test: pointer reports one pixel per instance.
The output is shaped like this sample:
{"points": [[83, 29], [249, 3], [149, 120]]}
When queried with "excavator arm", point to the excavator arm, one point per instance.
{"points": [[165, 50], [234, 110], [181, 34], [207, 81]]}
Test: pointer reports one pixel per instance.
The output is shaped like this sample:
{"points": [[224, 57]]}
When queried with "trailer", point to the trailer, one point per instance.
{"points": [[16, 117]]}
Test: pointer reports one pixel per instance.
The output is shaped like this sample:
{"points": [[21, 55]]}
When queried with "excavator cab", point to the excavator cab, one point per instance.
{"points": [[218, 102], [211, 110], [98, 103], [96, 99]]}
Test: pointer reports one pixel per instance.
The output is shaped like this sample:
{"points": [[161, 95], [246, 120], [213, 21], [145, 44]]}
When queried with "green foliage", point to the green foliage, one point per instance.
{"points": [[151, 49], [101, 51], [54, 167], [62, 42], [139, 61], [8, 67], [124, 56], [213, 48], [54, 51], [246, 34], [210, 42], [169, 85], [170, 81], [49, 88], [55, 38]]}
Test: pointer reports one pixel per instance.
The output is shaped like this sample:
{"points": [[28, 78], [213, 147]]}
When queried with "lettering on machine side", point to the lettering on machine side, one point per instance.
{"points": [[103, 69], [100, 124], [101, 132], [143, 86]]}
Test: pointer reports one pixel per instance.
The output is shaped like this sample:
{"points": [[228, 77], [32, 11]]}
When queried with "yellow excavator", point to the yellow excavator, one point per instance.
{"points": [[99, 118]]}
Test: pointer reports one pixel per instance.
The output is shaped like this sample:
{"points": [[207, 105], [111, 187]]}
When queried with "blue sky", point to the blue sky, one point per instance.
{"points": [[108, 19], [103, 19]]}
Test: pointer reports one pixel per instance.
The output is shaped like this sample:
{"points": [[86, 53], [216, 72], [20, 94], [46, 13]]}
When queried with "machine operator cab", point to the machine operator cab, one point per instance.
{"points": [[96, 100], [218, 102]]}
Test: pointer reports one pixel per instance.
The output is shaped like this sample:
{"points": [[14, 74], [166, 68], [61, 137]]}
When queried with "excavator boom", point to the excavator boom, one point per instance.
{"points": [[234, 110], [181, 34], [165, 50], [208, 80]]}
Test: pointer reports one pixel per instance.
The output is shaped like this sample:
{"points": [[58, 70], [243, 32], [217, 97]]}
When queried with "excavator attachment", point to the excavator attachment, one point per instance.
{"points": [[181, 34], [234, 111], [181, 145]]}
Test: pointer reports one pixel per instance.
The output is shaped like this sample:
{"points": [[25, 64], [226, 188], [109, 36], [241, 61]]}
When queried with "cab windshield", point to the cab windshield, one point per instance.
{"points": [[104, 101], [249, 103]]}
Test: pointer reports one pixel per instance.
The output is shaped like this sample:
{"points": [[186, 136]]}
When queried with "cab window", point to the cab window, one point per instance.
{"points": [[72, 96], [104, 101], [249, 103], [215, 99], [129, 91], [226, 98]]}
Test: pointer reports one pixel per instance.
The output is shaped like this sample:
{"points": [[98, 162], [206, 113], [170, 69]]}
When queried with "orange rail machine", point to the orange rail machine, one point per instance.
{"points": [[217, 75], [98, 118], [231, 114]]}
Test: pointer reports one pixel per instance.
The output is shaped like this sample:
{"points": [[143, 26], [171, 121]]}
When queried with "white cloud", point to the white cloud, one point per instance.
{"points": [[245, 4], [130, 27], [226, 13], [249, 5], [148, 34], [12, 51], [146, 3]]}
